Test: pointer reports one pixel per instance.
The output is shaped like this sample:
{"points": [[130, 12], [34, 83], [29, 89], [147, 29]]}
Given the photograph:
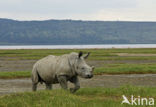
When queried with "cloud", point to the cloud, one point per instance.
{"points": [[78, 9], [67, 6]]}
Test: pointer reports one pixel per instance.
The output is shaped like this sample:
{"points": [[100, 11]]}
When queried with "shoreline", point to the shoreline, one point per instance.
{"points": [[96, 46]]}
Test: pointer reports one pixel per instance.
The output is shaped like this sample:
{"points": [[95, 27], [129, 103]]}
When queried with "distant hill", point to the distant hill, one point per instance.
{"points": [[76, 32]]}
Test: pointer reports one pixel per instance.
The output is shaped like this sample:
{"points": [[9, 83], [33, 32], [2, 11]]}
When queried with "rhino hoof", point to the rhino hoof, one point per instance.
{"points": [[72, 90]]}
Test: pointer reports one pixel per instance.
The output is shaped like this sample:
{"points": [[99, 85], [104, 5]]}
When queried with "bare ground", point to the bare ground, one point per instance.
{"points": [[21, 85]]}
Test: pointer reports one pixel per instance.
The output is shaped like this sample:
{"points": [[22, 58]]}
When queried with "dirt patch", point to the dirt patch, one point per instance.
{"points": [[19, 65], [22, 85]]}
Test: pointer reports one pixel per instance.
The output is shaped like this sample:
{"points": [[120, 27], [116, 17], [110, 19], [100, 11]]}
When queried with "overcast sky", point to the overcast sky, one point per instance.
{"points": [[126, 10]]}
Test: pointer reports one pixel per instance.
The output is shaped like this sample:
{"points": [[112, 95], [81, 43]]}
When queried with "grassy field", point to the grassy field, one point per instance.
{"points": [[106, 69], [85, 97], [126, 69], [120, 64], [107, 61]]}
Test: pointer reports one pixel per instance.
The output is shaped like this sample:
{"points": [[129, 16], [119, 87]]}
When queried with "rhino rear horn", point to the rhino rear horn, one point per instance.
{"points": [[80, 54]]}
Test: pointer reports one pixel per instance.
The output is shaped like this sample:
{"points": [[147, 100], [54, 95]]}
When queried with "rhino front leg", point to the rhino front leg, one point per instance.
{"points": [[48, 86], [76, 82], [63, 81]]}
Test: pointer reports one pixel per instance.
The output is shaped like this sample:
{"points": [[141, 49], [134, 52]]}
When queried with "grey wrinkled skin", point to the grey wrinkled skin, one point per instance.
{"points": [[61, 69]]}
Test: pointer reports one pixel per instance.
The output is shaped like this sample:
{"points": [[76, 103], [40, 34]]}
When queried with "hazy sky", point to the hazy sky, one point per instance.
{"points": [[133, 10]]}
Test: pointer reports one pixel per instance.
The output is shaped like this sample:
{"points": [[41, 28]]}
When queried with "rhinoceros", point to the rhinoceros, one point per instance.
{"points": [[61, 69]]}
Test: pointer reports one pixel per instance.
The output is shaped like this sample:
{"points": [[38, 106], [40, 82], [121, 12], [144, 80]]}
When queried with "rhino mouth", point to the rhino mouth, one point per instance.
{"points": [[88, 76]]}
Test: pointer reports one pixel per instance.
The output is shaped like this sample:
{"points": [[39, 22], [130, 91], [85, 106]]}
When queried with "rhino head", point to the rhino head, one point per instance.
{"points": [[81, 67]]}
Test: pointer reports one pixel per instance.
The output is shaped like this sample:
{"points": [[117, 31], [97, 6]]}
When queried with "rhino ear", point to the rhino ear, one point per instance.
{"points": [[80, 54], [86, 56]]}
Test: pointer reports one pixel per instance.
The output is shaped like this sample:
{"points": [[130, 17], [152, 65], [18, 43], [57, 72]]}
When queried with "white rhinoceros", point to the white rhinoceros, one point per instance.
{"points": [[60, 69]]}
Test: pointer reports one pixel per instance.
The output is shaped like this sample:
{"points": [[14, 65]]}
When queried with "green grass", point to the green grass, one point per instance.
{"points": [[85, 97], [15, 74], [96, 54], [126, 69]]}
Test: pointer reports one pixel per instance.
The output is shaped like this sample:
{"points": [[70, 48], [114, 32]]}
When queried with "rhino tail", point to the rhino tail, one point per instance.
{"points": [[35, 76]]}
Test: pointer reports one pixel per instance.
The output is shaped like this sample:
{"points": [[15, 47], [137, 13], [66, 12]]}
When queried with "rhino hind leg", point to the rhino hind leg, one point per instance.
{"points": [[48, 86]]}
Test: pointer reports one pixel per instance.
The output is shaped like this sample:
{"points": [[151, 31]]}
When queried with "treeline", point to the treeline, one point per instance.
{"points": [[76, 32]]}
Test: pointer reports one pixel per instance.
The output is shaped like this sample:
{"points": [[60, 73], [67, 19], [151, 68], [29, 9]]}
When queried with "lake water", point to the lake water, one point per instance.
{"points": [[101, 46]]}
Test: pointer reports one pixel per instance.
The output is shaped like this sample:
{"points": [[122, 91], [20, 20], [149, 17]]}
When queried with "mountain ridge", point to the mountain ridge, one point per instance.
{"points": [[60, 32]]}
